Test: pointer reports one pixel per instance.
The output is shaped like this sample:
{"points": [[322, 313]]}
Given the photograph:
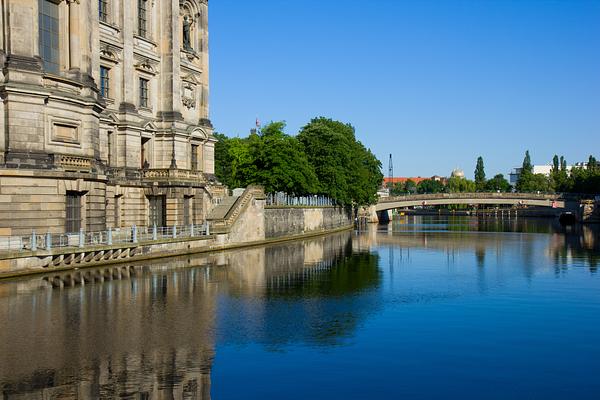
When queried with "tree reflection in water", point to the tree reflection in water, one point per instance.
{"points": [[153, 335]]}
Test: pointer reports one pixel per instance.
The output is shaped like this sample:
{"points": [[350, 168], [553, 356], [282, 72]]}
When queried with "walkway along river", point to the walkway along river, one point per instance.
{"points": [[425, 307]]}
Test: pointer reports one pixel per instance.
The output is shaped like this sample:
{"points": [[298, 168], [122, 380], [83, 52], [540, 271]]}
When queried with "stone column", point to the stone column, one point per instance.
{"points": [[21, 38], [74, 35]]}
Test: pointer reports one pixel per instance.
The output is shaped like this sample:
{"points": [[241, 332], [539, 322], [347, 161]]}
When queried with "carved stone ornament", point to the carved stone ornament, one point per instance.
{"points": [[148, 66], [188, 95], [109, 54]]}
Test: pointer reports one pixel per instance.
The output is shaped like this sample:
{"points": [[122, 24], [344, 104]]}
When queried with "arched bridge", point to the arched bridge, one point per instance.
{"points": [[441, 199]]}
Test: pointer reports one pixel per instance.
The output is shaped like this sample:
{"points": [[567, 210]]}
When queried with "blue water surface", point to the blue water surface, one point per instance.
{"points": [[477, 309]]}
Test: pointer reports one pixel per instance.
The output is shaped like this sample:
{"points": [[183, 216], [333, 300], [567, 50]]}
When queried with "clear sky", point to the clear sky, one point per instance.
{"points": [[435, 83]]}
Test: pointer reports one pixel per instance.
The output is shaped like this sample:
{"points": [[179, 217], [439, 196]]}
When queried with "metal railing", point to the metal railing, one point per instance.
{"points": [[284, 199], [134, 234], [477, 195]]}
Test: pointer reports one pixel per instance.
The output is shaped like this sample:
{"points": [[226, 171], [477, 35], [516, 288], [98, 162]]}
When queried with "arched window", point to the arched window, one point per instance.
{"points": [[49, 48]]}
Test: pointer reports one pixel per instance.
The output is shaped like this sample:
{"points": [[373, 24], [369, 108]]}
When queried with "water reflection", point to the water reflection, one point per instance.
{"points": [[153, 334], [166, 330], [571, 245]]}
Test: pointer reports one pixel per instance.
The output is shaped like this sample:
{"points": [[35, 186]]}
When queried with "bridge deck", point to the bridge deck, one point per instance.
{"points": [[438, 199]]}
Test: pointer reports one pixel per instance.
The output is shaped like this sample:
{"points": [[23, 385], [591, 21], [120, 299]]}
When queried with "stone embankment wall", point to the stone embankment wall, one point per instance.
{"points": [[248, 222], [281, 222]]}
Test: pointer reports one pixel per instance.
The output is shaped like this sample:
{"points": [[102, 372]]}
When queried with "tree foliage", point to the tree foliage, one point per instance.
{"points": [[347, 171], [279, 163], [430, 186], [325, 158], [479, 175], [527, 182], [460, 185], [498, 183]]}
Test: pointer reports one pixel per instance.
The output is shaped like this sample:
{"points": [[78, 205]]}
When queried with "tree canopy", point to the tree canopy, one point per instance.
{"points": [[479, 175], [498, 183], [347, 171], [324, 158]]}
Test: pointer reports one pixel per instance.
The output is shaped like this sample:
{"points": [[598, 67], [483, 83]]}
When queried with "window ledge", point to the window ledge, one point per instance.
{"points": [[145, 39], [110, 25]]}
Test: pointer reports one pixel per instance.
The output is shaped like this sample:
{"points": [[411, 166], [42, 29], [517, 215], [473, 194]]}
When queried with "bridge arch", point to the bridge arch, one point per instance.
{"points": [[441, 199]]}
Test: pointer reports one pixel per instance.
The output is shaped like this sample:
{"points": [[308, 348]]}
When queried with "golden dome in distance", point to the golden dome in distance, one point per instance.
{"points": [[457, 173]]}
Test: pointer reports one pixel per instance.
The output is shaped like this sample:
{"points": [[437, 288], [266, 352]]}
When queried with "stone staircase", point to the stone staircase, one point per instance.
{"points": [[223, 216], [221, 210]]}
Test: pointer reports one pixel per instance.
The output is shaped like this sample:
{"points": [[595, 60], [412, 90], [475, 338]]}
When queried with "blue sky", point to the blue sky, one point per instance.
{"points": [[435, 83]]}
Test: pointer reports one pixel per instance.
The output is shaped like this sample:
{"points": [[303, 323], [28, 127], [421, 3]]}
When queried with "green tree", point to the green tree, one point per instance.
{"points": [[592, 164], [460, 185], [396, 189], [279, 162], [479, 175], [563, 163], [410, 186], [559, 176], [526, 175], [498, 183], [585, 180], [347, 171], [232, 159], [430, 186]]}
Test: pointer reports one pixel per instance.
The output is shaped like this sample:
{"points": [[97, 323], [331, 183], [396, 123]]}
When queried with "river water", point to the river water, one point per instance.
{"points": [[422, 308]]}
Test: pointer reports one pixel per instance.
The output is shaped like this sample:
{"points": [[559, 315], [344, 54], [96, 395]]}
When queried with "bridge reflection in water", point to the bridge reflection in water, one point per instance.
{"points": [[151, 333], [156, 331]]}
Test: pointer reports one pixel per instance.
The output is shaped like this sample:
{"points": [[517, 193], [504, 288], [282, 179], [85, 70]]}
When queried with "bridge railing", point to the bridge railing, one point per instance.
{"points": [[478, 195]]}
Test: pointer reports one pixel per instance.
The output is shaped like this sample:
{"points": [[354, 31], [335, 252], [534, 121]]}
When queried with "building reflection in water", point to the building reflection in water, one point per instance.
{"points": [[152, 334]]}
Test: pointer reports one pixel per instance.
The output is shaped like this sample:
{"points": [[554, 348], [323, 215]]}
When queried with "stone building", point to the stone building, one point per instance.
{"points": [[104, 115]]}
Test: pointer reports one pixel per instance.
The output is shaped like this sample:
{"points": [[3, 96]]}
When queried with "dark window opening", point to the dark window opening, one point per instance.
{"points": [[142, 18], [104, 82], [143, 92], [103, 10], [157, 210], [194, 162], [73, 207], [48, 21]]}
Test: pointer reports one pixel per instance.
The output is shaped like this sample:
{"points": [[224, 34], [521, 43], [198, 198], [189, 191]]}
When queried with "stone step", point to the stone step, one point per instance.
{"points": [[220, 211]]}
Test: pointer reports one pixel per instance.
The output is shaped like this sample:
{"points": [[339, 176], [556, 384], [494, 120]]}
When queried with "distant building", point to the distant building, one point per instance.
{"points": [[544, 169], [402, 180], [457, 173]]}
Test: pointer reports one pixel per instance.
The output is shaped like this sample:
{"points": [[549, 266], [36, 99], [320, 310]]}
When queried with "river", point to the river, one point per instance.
{"points": [[422, 308]]}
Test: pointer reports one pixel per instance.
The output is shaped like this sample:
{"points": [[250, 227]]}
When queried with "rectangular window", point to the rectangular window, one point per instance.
{"points": [[110, 147], [157, 211], [73, 206], [143, 92], [117, 214], [105, 82], [142, 18], [145, 144], [194, 162], [103, 10], [48, 41]]}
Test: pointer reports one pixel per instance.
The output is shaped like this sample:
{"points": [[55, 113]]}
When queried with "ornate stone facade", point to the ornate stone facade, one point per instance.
{"points": [[104, 114]]}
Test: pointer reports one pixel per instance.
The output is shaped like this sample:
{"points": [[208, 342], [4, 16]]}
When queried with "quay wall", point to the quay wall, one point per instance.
{"points": [[255, 225], [284, 221]]}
